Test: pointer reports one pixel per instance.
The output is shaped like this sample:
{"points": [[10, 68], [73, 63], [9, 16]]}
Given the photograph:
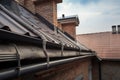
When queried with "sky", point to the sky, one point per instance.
{"points": [[94, 15]]}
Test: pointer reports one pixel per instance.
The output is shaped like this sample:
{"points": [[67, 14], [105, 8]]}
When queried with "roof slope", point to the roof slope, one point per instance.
{"points": [[20, 25], [29, 43], [106, 44]]}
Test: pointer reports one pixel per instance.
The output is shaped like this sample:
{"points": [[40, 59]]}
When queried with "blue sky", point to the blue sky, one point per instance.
{"points": [[94, 15]]}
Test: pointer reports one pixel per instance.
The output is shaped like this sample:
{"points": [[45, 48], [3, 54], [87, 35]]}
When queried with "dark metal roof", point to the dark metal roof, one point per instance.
{"points": [[27, 39], [21, 21], [20, 25]]}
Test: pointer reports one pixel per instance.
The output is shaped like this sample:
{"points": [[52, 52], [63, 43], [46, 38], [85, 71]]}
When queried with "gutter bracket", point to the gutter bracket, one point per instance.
{"points": [[45, 52], [62, 49], [18, 58], [79, 50]]}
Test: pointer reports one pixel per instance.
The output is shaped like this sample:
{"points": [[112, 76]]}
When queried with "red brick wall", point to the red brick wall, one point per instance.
{"points": [[28, 4], [48, 10], [67, 71], [70, 28], [21, 2]]}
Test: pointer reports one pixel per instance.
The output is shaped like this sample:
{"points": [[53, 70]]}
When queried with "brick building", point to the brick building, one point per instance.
{"points": [[68, 24], [43, 47], [46, 8], [107, 48], [35, 45]]}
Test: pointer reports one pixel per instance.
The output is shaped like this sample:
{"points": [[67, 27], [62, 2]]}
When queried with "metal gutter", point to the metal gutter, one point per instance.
{"points": [[14, 38], [12, 73], [25, 25], [19, 20]]}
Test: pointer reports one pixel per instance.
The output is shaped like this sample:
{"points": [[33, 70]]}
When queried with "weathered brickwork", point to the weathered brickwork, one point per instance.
{"points": [[67, 71], [59, 26], [28, 4], [20, 2], [70, 28], [48, 10]]}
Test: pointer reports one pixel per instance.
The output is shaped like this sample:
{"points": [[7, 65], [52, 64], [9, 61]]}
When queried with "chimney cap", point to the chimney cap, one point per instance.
{"points": [[63, 15], [69, 19], [114, 31], [118, 29]]}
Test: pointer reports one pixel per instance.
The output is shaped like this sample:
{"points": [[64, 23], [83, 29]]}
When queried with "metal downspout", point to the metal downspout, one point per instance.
{"points": [[45, 52], [18, 59], [62, 48]]}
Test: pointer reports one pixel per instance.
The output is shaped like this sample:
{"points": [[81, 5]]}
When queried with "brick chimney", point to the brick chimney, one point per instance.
{"points": [[46, 8], [27, 4], [68, 24]]}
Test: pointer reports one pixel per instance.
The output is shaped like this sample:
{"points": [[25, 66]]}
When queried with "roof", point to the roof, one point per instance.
{"points": [[29, 43], [21, 27], [106, 44], [69, 19]]}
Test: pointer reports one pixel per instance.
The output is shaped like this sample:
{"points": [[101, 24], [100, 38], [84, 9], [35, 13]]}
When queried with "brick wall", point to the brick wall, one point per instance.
{"points": [[48, 10], [70, 28], [20, 1], [28, 4], [59, 26], [67, 71]]}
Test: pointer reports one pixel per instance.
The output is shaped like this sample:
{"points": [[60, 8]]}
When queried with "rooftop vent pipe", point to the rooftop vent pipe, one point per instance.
{"points": [[63, 16], [114, 31], [118, 29]]}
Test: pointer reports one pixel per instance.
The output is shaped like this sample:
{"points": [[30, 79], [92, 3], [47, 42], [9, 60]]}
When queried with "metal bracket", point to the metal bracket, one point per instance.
{"points": [[79, 50], [18, 58], [45, 52], [62, 48]]}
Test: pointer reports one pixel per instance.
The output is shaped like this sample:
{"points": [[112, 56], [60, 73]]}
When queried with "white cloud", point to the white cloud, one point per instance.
{"points": [[94, 17]]}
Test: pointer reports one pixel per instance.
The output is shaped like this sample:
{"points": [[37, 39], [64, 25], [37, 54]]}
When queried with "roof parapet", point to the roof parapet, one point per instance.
{"points": [[69, 19]]}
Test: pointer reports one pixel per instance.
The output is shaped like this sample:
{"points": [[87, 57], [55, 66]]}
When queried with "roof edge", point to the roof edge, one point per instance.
{"points": [[69, 19]]}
